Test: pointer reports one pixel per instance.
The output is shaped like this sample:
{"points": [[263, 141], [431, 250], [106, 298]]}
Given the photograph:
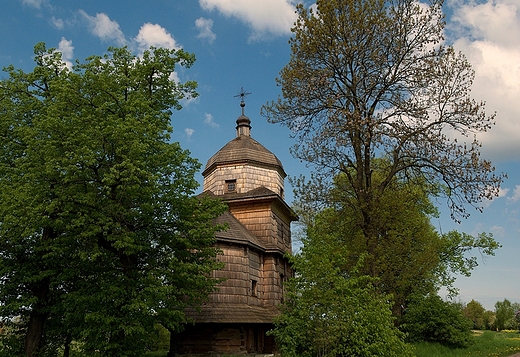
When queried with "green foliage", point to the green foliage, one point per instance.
{"points": [[489, 318], [455, 255], [367, 80], [433, 320], [475, 312], [364, 94], [329, 312], [101, 236], [409, 257], [506, 317]]}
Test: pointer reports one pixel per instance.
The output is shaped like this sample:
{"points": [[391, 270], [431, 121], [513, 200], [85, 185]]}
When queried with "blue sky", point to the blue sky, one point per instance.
{"points": [[243, 43]]}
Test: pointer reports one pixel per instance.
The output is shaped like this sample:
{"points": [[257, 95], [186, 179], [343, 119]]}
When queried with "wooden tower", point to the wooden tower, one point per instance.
{"points": [[250, 179]]}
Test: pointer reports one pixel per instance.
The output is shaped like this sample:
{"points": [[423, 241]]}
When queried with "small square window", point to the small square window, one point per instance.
{"points": [[231, 185]]}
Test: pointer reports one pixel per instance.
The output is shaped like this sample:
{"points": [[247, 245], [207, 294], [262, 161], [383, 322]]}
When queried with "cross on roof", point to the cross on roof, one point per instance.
{"points": [[242, 94]]}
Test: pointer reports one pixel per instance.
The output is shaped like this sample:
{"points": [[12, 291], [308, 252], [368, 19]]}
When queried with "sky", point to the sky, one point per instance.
{"points": [[244, 44]]}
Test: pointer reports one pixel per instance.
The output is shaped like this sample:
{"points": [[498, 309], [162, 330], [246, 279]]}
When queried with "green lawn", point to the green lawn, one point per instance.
{"points": [[487, 344]]}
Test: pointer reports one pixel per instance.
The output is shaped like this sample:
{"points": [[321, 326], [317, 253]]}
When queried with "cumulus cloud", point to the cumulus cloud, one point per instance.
{"points": [[189, 132], [266, 17], [489, 34], [205, 29], [208, 119], [155, 35], [67, 51], [104, 28], [516, 195]]}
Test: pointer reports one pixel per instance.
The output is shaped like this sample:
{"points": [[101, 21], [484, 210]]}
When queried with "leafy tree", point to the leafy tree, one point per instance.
{"points": [[410, 256], [329, 312], [475, 312], [101, 236], [432, 319], [371, 79], [489, 318], [506, 315]]}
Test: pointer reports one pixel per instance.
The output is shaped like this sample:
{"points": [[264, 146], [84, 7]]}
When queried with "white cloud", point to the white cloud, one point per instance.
{"points": [[205, 29], [155, 35], [58, 23], [498, 231], [189, 132], [104, 28], [502, 192], [67, 51], [266, 17], [209, 120], [489, 34], [34, 3], [516, 194]]}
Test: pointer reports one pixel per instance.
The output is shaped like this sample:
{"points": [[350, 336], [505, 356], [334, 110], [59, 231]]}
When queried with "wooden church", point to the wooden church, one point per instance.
{"points": [[250, 179]]}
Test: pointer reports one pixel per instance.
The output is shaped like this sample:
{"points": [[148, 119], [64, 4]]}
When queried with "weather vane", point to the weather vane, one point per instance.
{"points": [[243, 94]]}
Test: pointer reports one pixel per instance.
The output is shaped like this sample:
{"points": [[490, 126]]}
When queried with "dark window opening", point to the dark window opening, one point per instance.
{"points": [[253, 287], [231, 185]]}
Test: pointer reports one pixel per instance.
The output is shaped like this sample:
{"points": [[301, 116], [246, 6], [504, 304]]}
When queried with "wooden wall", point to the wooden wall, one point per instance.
{"points": [[243, 266], [224, 339]]}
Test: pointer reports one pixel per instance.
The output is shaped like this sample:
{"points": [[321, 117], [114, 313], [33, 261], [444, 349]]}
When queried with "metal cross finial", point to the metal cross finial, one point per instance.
{"points": [[243, 94]]}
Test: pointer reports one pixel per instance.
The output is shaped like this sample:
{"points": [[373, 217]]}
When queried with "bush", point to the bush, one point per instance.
{"points": [[330, 314], [433, 320]]}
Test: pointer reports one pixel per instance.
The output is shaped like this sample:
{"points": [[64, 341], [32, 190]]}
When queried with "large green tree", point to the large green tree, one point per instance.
{"points": [[371, 79], [507, 316], [101, 236], [475, 312], [410, 257], [329, 310]]}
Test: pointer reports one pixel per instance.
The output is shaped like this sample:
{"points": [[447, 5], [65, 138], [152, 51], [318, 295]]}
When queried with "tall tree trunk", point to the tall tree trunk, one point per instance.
{"points": [[34, 335], [37, 318], [66, 348]]}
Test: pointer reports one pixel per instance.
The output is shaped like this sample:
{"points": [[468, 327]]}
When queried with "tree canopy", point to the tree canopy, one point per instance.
{"points": [[101, 236], [410, 256], [380, 107], [374, 79]]}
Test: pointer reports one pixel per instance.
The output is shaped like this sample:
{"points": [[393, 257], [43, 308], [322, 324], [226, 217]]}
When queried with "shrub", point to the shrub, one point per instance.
{"points": [[433, 320]]}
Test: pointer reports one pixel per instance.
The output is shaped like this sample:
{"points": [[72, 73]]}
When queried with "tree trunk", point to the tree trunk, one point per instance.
{"points": [[34, 335], [37, 318], [66, 348]]}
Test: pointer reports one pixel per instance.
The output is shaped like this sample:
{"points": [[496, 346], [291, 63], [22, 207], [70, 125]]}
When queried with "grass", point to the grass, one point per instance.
{"points": [[487, 344]]}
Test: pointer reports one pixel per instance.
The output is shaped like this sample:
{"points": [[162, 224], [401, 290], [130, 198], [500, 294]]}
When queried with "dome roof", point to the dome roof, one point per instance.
{"points": [[244, 150]]}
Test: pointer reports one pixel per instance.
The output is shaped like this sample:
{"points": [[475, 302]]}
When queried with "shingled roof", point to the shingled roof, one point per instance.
{"points": [[244, 149], [236, 232]]}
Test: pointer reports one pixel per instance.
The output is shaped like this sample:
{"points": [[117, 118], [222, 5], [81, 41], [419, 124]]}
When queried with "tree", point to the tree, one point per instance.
{"points": [[101, 236], [506, 315], [370, 80], [328, 312], [410, 257], [475, 312]]}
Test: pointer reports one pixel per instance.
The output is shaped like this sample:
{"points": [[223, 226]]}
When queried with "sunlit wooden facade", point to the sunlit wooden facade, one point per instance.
{"points": [[236, 318]]}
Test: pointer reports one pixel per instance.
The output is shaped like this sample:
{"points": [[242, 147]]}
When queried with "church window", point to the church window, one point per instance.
{"points": [[231, 185], [253, 287]]}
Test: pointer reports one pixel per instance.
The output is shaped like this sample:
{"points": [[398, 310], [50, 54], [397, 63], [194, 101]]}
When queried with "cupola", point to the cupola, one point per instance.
{"points": [[243, 164]]}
